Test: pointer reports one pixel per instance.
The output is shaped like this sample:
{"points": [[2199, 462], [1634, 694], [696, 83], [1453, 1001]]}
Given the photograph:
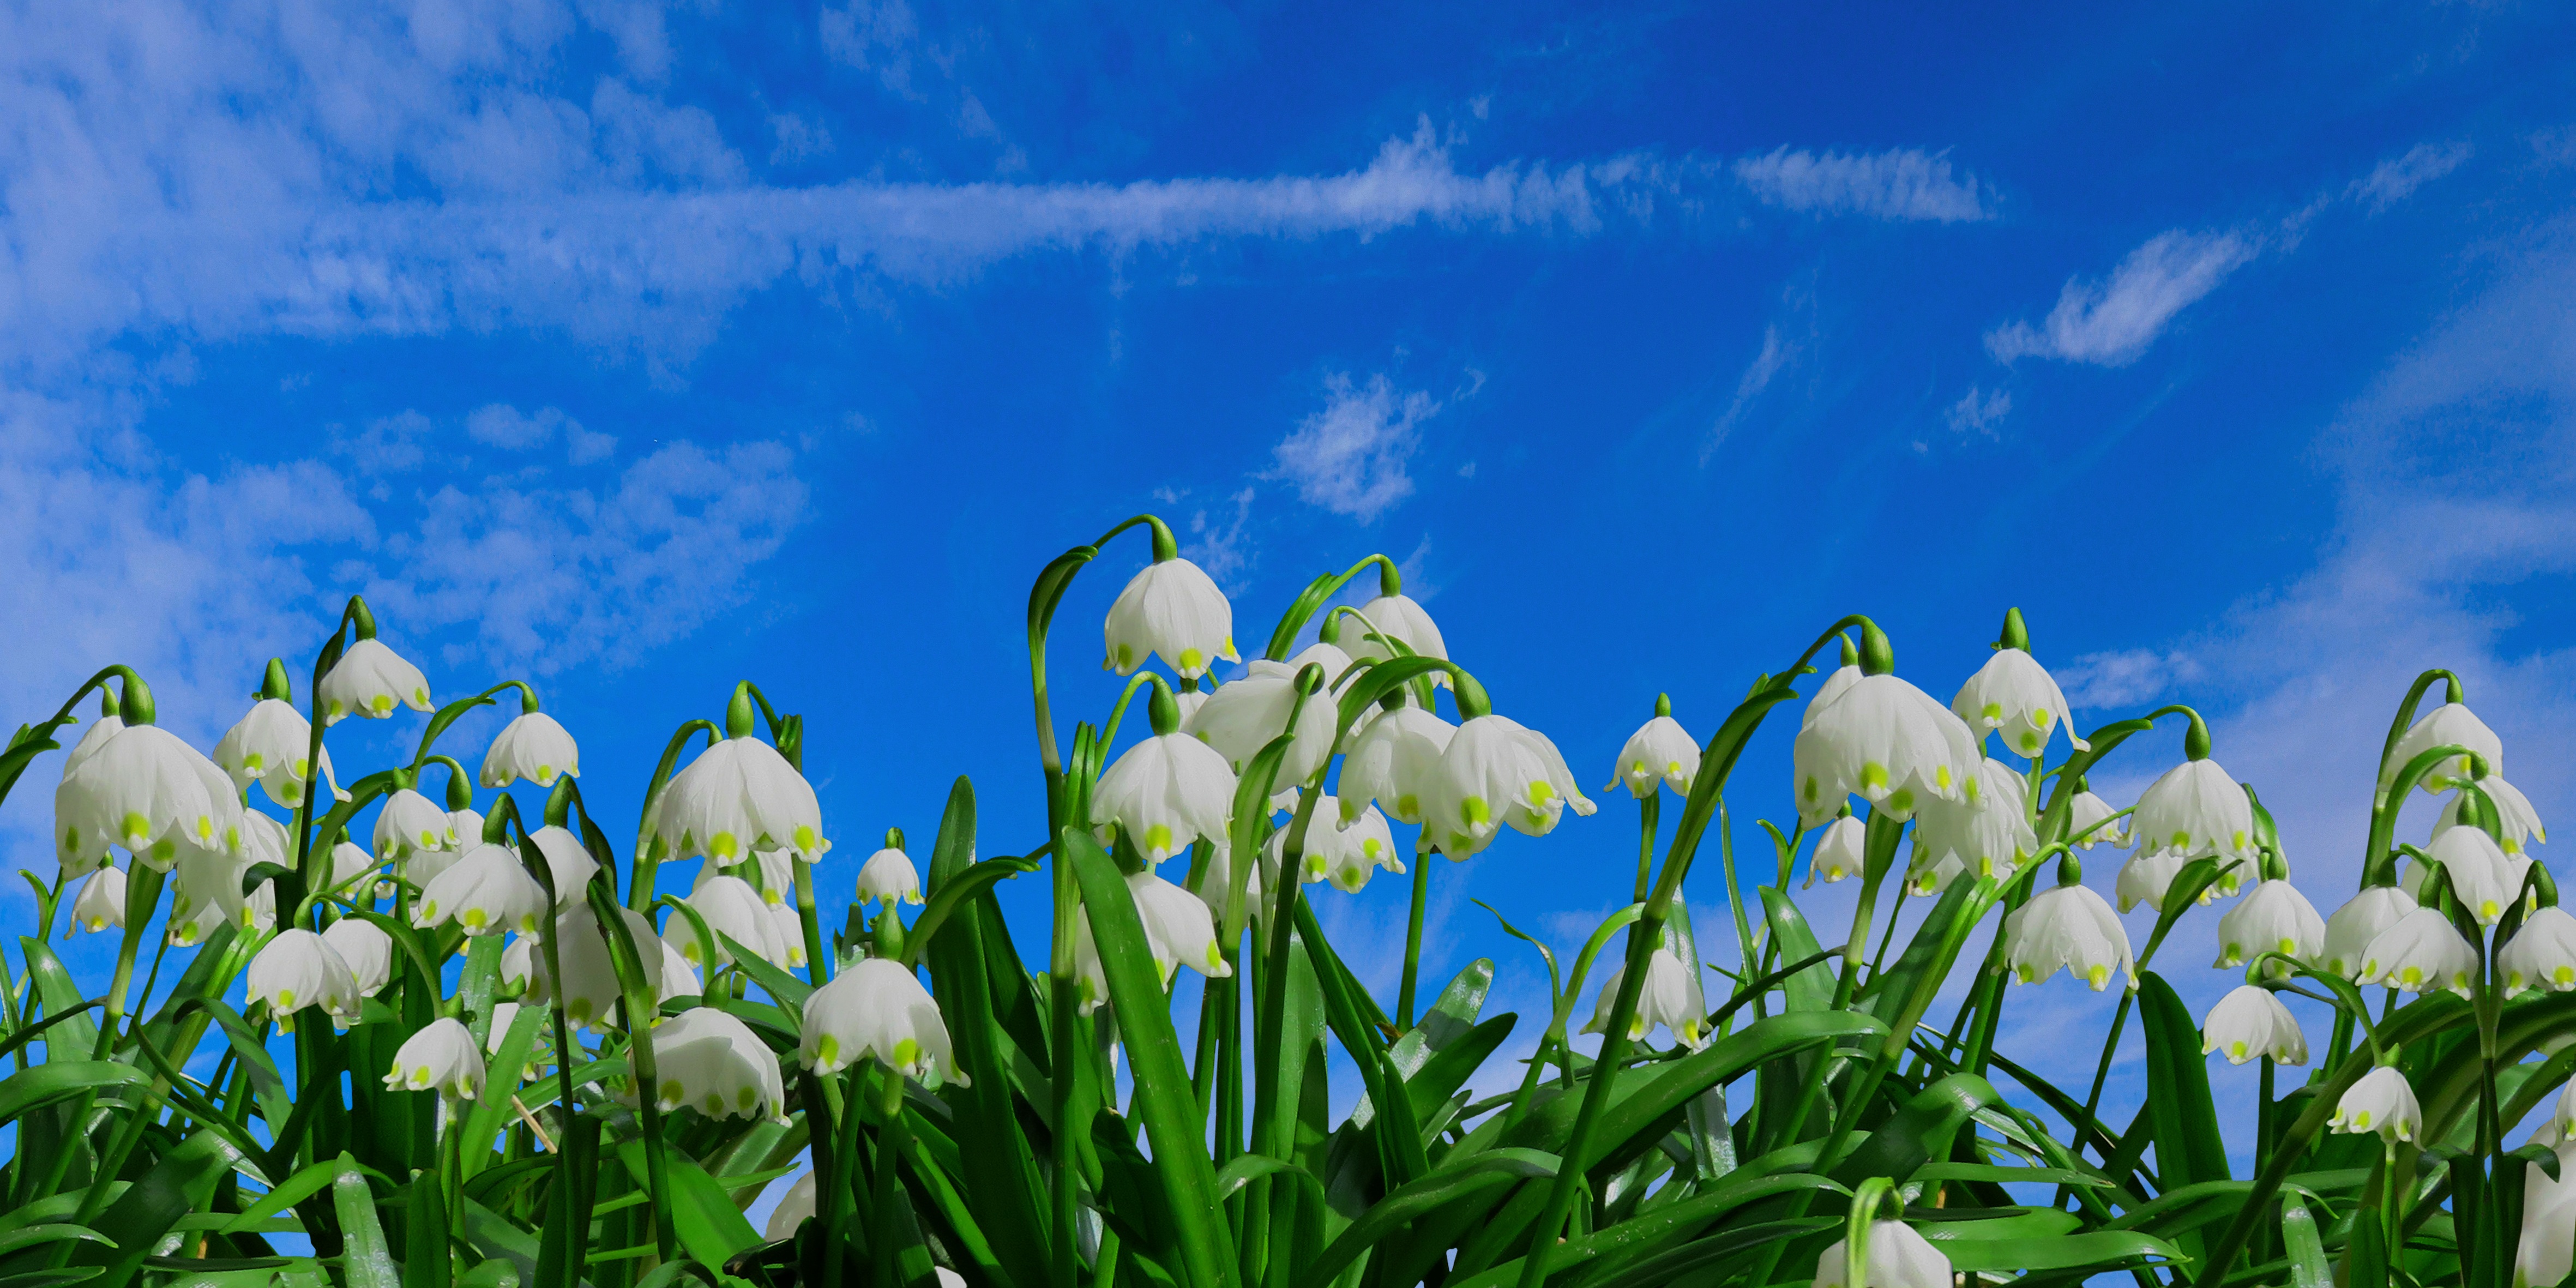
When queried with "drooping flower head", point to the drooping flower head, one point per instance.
{"points": [[2542, 954], [2014, 695], [298, 969], [1168, 790], [2274, 917], [1391, 761], [534, 746], [712, 1062], [101, 901], [2351, 929], [1495, 772], [1671, 997], [365, 949], [2450, 724], [1898, 1258], [1841, 851], [2068, 927], [1243, 715], [888, 878], [1661, 751], [1985, 833], [484, 892], [877, 1010], [2380, 1103], [738, 796], [731, 909], [1395, 614], [2250, 1023], [442, 1057], [371, 680], [1885, 741], [2420, 953], [145, 791], [1170, 609], [271, 746]]}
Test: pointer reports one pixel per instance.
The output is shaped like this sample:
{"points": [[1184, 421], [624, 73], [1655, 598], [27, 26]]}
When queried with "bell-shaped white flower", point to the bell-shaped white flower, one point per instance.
{"points": [[793, 1210], [1839, 680], [1215, 885], [777, 875], [101, 901], [146, 791], [409, 823], [2484, 879], [371, 680], [1400, 618], [2380, 1103], [2546, 1248], [738, 796], [1167, 791], [365, 949], [485, 892], [349, 863], [888, 877], [2419, 954], [1391, 761], [518, 963], [1335, 663], [712, 1062], [298, 969], [2562, 1118], [2012, 693], [2518, 825], [2542, 954], [442, 1057], [271, 746], [2249, 1024], [1090, 978], [567, 861], [1243, 715], [1497, 771], [1986, 833], [2451, 724], [1173, 609], [205, 894], [2351, 929], [1671, 997], [1898, 1258], [1359, 850], [100, 730], [2273, 918], [590, 990], [1886, 741], [1179, 929], [2092, 818], [1661, 751], [790, 927], [2196, 810], [536, 747], [1841, 851], [732, 909], [2070, 927], [877, 1009]]}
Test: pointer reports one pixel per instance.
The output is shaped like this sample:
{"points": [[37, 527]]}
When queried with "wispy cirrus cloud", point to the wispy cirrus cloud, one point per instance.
{"points": [[2397, 178], [1900, 184], [2112, 322], [1349, 457]]}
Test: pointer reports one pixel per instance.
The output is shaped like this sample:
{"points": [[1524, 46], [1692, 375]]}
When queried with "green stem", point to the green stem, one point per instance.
{"points": [[818, 959], [1413, 938]]}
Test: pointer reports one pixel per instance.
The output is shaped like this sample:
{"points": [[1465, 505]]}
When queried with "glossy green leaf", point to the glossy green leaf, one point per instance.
{"points": [[177, 1185], [2096, 1249], [2188, 1148], [1811, 989], [2306, 1251], [364, 1256], [1411, 1201], [710, 1227], [51, 1083]]}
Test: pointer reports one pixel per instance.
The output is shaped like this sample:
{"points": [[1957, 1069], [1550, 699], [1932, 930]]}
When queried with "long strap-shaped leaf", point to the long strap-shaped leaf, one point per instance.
{"points": [[1163, 1098]]}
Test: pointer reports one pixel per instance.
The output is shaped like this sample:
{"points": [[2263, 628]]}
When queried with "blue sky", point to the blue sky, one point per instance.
{"points": [[636, 348]]}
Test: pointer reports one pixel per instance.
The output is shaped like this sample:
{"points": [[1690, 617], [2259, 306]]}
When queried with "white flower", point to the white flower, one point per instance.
{"points": [[410, 823], [1671, 997], [1841, 851], [271, 746], [206, 891], [2195, 809], [731, 909], [107, 726], [1091, 979], [147, 791], [2517, 823], [2072, 927], [2353, 926], [2250, 1023], [2381, 1102], [2275, 917], [792, 1210], [365, 949], [370, 680], [2420, 953], [349, 862], [2014, 693], [485, 892], [518, 962], [1898, 1258], [1214, 887], [1242, 716], [1836, 683], [2088, 809], [1885, 740], [1400, 618], [1167, 791], [777, 875], [1178, 928], [2149, 875], [1358, 849], [877, 1009], [2547, 1246], [298, 969], [2562, 1119], [1188, 702], [2450, 724], [441, 1057], [1987, 833], [535, 747], [1660, 751], [1336, 664], [1170, 608], [2483, 878], [101, 902], [590, 975], [790, 925], [1392, 760], [567, 861], [740, 795], [1496, 771], [707, 1059], [2542, 953], [888, 878]]}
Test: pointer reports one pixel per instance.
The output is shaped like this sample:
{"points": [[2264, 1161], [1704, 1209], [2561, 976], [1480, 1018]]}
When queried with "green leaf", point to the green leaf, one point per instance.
{"points": [[364, 1256], [492, 1111], [2299, 1239], [52, 1232], [52, 985], [1811, 989], [1918, 1133], [790, 991], [1644, 1233], [1642, 1115], [177, 1185], [703, 1214], [1416, 1199], [47, 1084], [295, 1189], [2092, 1250], [2188, 1148], [957, 892], [1163, 1100]]}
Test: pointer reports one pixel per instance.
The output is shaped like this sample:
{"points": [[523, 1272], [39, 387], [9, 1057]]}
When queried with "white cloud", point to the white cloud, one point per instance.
{"points": [[1349, 458], [874, 36], [2394, 180], [2124, 678], [1978, 411], [797, 138], [1776, 353], [2112, 323], [1906, 183], [506, 427], [1221, 547]]}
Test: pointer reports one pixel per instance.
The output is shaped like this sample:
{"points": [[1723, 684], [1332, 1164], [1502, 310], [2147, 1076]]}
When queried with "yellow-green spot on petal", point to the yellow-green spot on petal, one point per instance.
{"points": [[1158, 839], [1992, 711], [1540, 792], [473, 918], [1408, 807], [1126, 657], [1900, 802], [671, 1091], [746, 1097], [1873, 776], [545, 775], [722, 845], [806, 838], [1941, 777], [1475, 812], [2097, 977], [1191, 660], [286, 1000], [2236, 1052], [2361, 1120], [2182, 840], [420, 1076], [827, 1049], [164, 850], [137, 829], [382, 704]]}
